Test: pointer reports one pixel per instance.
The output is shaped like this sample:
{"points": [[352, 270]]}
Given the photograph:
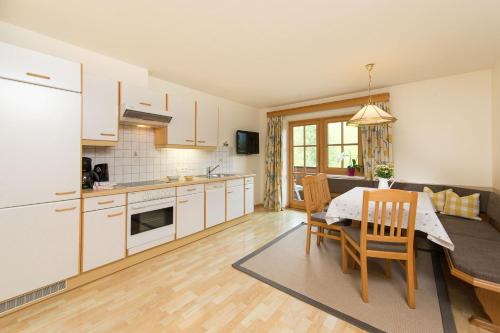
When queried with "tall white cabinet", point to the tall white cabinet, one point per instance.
{"points": [[38, 246], [40, 150], [40, 126]]}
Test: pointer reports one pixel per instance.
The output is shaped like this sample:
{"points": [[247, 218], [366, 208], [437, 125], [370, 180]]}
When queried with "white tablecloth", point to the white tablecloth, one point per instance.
{"points": [[350, 205]]}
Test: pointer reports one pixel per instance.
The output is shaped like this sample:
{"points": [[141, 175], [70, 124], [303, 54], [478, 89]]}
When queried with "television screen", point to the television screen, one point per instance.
{"points": [[247, 142]]}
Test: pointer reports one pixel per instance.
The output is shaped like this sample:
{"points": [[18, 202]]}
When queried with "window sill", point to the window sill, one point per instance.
{"points": [[344, 176]]}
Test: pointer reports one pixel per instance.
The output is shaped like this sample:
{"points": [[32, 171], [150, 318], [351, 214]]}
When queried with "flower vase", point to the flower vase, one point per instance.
{"points": [[383, 183], [351, 171]]}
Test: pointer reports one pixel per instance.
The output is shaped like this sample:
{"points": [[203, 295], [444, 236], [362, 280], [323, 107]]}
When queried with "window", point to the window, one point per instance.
{"points": [[342, 144]]}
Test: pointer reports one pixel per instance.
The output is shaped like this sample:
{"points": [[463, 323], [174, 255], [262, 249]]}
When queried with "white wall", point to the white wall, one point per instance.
{"points": [[496, 125], [443, 133], [233, 115]]}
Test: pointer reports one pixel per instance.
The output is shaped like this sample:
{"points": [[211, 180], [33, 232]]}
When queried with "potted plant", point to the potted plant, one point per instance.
{"points": [[352, 167], [384, 173]]}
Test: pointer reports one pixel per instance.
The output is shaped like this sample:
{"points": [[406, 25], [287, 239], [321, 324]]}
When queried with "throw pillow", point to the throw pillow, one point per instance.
{"points": [[467, 207], [438, 198]]}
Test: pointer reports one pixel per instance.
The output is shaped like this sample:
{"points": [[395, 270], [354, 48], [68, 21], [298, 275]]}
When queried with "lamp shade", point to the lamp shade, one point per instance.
{"points": [[371, 115]]}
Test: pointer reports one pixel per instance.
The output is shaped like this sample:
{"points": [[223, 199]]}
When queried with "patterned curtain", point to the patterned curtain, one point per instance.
{"points": [[272, 198], [377, 144]]}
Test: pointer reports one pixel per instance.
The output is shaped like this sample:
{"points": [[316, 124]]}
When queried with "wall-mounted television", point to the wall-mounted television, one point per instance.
{"points": [[247, 142]]}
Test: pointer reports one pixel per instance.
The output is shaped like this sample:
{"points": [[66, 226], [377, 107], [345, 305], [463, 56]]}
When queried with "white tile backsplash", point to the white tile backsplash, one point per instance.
{"points": [[136, 158]]}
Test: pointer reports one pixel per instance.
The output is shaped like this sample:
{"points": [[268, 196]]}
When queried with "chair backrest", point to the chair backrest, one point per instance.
{"points": [[391, 208], [312, 196], [324, 189]]}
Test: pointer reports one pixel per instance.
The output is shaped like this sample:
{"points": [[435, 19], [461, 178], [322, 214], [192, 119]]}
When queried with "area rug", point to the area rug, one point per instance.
{"points": [[318, 279]]}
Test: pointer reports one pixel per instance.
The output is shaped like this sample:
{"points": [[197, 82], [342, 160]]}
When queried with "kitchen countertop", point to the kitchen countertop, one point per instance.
{"points": [[118, 189]]}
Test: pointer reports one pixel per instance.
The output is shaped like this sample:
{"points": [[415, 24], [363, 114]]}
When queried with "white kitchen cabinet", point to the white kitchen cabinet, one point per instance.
{"points": [[207, 124], [100, 109], [249, 203], [39, 245], [103, 237], [190, 214], [25, 65], [180, 130], [40, 144], [235, 201], [143, 99], [215, 203]]}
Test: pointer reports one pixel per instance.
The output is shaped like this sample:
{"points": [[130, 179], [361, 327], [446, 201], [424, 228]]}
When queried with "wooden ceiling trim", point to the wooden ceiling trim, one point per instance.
{"points": [[344, 103]]}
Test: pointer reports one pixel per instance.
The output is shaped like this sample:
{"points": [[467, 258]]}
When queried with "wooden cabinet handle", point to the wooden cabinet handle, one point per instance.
{"points": [[201, 141], [183, 201], [145, 104], [65, 193], [115, 214], [108, 134], [191, 189], [189, 140], [229, 192], [105, 202], [247, 188], [60, 210], [39, 76]]}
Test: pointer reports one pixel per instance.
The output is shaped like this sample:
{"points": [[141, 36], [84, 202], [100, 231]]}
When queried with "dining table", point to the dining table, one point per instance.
{"points": [[349, 205]]}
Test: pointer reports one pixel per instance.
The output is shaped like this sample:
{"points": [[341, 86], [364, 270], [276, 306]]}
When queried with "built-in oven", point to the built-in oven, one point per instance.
{"points": [[151, 219]]}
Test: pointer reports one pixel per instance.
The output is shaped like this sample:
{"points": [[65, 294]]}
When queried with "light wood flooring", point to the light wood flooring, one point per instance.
{"points": [[195, 289]]}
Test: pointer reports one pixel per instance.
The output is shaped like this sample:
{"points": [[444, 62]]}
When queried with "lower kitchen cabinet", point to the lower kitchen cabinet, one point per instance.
{"points": [[215, 201], [103, 237], [249, 204], [190, 214], [39, 245], [235, 201]]}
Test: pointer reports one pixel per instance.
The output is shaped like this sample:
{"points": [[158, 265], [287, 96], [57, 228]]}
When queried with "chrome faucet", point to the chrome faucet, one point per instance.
{"points": [[210, 170]]}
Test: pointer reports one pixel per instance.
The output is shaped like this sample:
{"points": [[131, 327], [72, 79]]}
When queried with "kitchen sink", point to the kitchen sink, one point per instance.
{"points": [[217, 175]]}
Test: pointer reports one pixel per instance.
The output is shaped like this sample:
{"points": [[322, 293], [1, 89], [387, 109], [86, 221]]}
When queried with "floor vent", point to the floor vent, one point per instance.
{"points": [[31, 296]]}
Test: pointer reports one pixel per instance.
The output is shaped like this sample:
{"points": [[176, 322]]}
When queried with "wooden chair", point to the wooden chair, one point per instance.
{"points": [[324, 189], [381, 240], [315, 213]]}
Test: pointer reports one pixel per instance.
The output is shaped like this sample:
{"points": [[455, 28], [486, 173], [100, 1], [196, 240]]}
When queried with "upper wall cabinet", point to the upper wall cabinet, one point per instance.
{"points": [[29, 66], [142, 99], [194, 124], [100, 111], [180, 132], [207, 124]]}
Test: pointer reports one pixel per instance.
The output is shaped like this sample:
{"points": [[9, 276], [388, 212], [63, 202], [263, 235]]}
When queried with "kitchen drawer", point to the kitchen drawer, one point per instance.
{"points": [[29, 66], [214, 186], [190, 189], [106, 201], [103, 237], [249, 180], [235, 182]]}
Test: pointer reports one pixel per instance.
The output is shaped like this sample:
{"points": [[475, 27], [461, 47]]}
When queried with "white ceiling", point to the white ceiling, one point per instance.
{"points": [[274, 52]]}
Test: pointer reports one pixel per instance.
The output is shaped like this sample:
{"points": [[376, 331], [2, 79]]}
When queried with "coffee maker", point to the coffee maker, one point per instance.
{"points": [[88, 176]]}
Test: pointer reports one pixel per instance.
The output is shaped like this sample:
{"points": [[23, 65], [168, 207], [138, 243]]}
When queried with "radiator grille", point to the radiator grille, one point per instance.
{"points": [[31, 296]]}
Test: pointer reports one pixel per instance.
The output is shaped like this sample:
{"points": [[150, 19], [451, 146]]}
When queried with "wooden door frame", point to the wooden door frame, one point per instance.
{"points": [[291, 202]]}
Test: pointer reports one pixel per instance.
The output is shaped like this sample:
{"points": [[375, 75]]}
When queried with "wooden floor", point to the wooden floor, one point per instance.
{"points": [[195, 289]]}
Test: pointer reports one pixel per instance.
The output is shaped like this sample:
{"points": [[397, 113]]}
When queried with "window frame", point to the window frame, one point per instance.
{"points": [[324, 146]]}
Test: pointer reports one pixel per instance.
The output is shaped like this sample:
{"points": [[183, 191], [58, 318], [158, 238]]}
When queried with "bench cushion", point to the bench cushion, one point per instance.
{"points": [[477, 257], [464, 227]]}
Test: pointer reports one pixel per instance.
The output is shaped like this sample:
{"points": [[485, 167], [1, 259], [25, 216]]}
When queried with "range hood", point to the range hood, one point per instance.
{"points": [[131, 115]]}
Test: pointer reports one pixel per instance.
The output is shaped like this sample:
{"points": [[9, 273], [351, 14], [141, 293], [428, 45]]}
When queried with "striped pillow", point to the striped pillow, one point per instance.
{"points": [[438, 198], [467, 207]]}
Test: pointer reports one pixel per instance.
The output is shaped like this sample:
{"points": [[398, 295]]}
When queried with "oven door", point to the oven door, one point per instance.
{"points": [[151, 222]]}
